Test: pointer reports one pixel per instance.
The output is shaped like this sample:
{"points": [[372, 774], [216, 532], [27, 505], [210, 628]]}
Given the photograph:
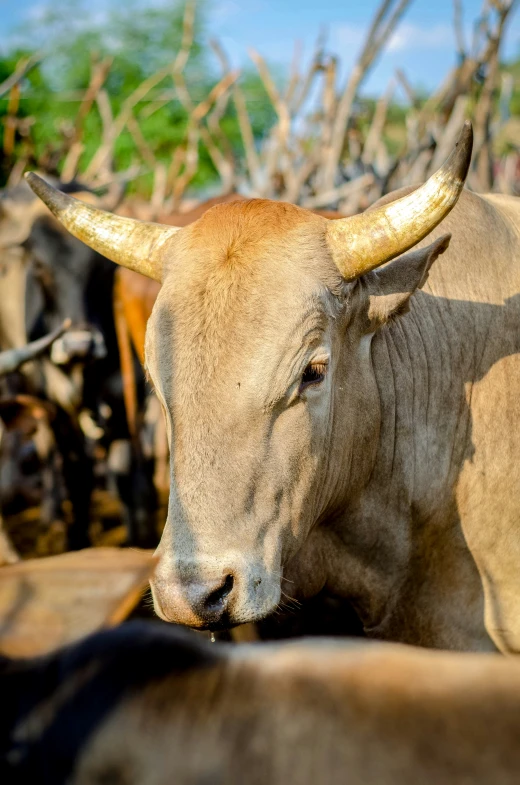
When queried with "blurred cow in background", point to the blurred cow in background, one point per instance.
{"points": [[26, 433], [50, 276]]}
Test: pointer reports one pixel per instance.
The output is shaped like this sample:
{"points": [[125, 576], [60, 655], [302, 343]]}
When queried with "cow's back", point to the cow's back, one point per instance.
{"points": [[152, 706]]}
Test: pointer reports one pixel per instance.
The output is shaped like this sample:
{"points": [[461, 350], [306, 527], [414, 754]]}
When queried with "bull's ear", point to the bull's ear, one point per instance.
{"points": [[390, 288]]}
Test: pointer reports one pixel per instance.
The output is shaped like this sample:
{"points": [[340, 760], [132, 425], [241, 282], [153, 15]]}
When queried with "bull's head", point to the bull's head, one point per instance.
{"points": [[259, 349]]}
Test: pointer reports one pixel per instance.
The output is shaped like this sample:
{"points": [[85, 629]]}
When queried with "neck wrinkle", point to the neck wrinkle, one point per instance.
{"points": [[420, 367]]}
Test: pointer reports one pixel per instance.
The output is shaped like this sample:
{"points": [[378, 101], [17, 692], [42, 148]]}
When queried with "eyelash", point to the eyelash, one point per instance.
{"points": [[314, 374]]}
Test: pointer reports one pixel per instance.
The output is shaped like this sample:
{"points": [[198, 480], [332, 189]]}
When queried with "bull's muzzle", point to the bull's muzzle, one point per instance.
{"points": [[211, 597], [201, 604], [212, 600]]}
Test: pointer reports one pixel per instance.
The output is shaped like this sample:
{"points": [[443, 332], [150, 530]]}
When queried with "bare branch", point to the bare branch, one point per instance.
{"points": [[377, 37], [75, 148], [375, 133], [325, 198], [177, 162], [188, 29], [294, 78], [279, 104], [140, 142], [277, 145], [22, 69], [105, 111], [459, 29], [329, 106], [121, 178], [244, 122], [10, 121], [191, 160], [407, 87], [159, 188], [314, 67], [450, 134], [482, 156], [114, 131], [216, 93], [183, 54]]}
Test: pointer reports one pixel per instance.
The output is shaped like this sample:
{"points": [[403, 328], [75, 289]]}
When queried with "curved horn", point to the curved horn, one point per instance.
{"points": [[12, 359], [135, 244], [366, 241]]}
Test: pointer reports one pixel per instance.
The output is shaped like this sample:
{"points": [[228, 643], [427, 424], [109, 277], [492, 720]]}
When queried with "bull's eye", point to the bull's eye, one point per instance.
{"points": [[314, 374]]}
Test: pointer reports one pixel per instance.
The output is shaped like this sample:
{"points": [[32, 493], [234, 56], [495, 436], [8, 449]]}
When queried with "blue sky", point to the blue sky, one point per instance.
{"points": [[423, 45]]}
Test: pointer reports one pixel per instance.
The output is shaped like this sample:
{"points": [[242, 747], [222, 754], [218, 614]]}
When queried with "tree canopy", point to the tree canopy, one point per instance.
{"points": [[138, 42]]}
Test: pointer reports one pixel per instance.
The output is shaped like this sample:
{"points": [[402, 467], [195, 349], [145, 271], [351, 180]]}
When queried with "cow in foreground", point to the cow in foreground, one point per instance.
{"points": [[152, 705], [335, 427]]}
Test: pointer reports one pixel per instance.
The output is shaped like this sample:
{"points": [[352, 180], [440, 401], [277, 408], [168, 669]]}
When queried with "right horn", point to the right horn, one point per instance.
{"points": [[364, 242], [138, 245]]}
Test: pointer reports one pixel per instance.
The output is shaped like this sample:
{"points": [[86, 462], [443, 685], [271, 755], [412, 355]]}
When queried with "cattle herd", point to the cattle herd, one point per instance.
{"points": [[325, 411]]}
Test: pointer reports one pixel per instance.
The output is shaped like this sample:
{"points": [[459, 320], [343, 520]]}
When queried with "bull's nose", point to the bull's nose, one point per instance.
{"points": [[210, 601]]}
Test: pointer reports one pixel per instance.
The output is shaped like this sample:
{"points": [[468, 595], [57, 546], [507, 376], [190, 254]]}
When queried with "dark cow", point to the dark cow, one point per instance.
{"points": [[63, 279], [24, 421]]}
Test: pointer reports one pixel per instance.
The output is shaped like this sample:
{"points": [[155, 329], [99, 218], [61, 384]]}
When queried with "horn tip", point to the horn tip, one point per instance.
{"points": [[460, 159], [466, 135], [55, 200], [31, 177], [35, 182]]}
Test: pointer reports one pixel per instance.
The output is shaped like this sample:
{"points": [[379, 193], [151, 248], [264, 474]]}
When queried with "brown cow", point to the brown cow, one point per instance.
{"points": [[152, 705]]}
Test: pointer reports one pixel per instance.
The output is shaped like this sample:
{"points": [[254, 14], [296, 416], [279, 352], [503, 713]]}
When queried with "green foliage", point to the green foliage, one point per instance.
{"points": [[513, 68], [140, 42]]}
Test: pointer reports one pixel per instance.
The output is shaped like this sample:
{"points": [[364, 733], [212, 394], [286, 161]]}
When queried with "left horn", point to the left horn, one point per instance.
{"points": [[135, 244], [366, 241]]}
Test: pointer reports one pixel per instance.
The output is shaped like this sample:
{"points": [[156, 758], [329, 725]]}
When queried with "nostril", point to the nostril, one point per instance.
{"points": [[217, 597]]}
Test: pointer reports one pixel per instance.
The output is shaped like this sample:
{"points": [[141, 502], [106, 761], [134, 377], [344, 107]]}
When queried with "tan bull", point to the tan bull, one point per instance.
{"points": [[333, 427]]}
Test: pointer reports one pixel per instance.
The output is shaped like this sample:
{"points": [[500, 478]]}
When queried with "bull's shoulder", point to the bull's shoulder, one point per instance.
{"points": [[508, 206], [469, 203]]}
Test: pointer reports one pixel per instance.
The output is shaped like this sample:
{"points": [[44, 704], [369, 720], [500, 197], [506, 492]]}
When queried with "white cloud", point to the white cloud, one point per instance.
{"points": [[224, 10], [349, 35], [409, 36], [91, 11], [36, 13]]}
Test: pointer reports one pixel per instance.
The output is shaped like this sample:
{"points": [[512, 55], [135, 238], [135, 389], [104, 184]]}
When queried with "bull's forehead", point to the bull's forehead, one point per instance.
{"points": [[235, 242], [246, 277]]}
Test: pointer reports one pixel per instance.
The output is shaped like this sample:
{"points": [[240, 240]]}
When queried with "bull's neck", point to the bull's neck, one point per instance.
{"points": [[421, 367], [420, 374]]}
